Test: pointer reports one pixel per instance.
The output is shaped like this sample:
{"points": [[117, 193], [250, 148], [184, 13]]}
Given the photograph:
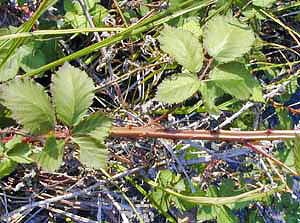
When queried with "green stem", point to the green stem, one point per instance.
{"points": [[256, 194]]}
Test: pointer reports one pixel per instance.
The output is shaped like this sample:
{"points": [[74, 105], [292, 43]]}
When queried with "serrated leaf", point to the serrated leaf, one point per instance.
{"points": [[29, 105], [226, 39], [206, 213], [20, 153], [14, 141], [72, 91], [263, 3], [51, 157], [237, 81], [292, 86], [7, 166], [192, 25], [210, 92], [285, 122], [219, 212], [77, 21], [225, 215], [296, 152], [76, 17], [96, 126], [160, 199], [1, 149], [10, 69], [183, 46], [32, 57], [177, 88], [93, 153], [175, 3], [72, 6], [165, 177]]}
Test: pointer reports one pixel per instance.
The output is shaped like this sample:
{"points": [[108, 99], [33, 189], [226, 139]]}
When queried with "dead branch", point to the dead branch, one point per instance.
{"points": [[220, 135]]}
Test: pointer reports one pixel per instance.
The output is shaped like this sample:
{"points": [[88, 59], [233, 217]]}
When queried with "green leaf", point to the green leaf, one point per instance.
{"points": [[1, 149], [51, 157], [237, 81], [29, 105], [222, 213], [177, 88], [192, 25], [72, 94], [10, 69], [32, 57], [183, 46], [226, 39], [166, 177], [14, 141], [296, 152], [263, 3], [210, 92], [176, 3], [72, 6], [206, 213], [93, 153], [96, 126], [77, 21], [20, 153], [7, 166], [285, 121], [160, 199], [76, 17], [292, 86]]}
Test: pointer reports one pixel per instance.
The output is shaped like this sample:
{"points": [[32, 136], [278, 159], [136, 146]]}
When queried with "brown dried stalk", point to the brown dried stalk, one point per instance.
{"points": [[220, 135], [154, 132], [244, 137]]}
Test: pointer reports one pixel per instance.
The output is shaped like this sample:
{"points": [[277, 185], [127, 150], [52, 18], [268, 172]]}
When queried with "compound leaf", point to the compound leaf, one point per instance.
{"points": [[93, 153], [96, 126], [7, 166], [226, 39], [10, 69], [20, 153], [183, 46], [177, 88], [263, 3], [51, 157], [192, 25], [72, 93], [296, 153], [210, 92], [29, 105], [237, 81]]}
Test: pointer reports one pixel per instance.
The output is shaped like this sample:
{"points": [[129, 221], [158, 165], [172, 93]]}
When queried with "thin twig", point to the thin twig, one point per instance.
{"points": [[180, 165], [92, 25], [265, 154], [89, 18], [120, 12], [46, 202], [72, 216], [251, 104], [118, 207], [288, 189]]}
